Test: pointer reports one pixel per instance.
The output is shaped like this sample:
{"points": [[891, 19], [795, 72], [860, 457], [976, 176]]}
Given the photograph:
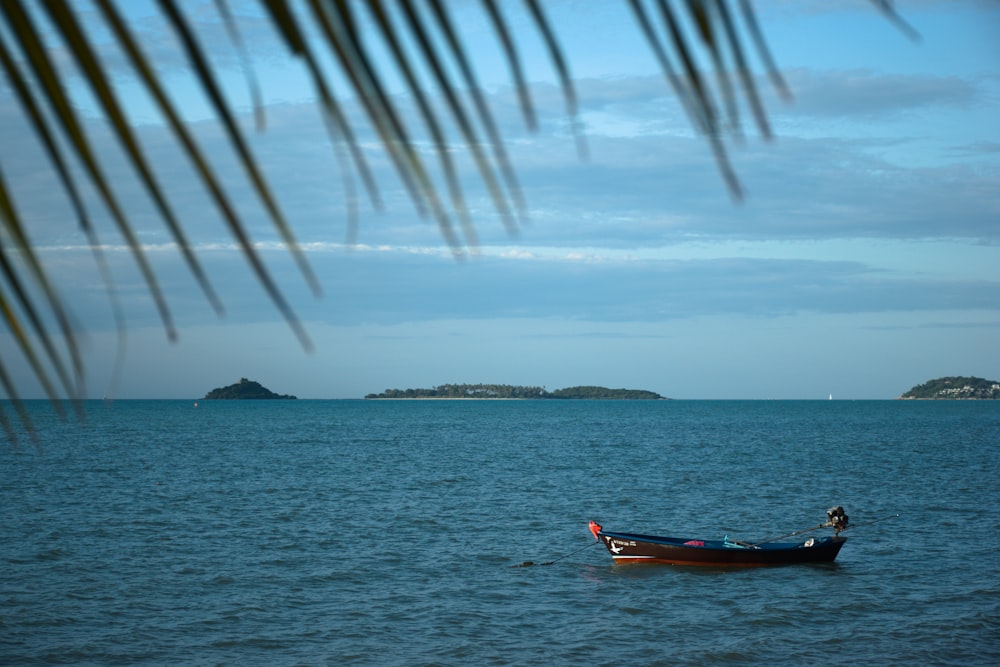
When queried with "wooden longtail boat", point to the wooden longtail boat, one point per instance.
{"points": [[637, 548]]}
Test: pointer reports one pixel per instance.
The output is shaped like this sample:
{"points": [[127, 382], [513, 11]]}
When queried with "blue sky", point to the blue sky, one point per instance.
{"points": [[863, 260]]}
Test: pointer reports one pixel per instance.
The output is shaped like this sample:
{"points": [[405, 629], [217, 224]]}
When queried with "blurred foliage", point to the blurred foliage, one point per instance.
{"points": [[703, 46]]}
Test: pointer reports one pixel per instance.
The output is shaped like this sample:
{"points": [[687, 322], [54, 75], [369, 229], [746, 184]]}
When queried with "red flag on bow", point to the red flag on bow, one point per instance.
{"points": [[595, 528]]}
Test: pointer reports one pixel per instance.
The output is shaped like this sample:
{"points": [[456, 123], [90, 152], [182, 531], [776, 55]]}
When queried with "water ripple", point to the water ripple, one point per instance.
{"points": [[329, 532]]}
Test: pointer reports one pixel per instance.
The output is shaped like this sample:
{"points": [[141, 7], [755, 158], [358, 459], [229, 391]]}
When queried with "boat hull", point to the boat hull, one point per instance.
{"points": [[636, 548]]}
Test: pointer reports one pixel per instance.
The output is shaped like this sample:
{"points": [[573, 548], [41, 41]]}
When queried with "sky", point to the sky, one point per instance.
{"points": [[862, 261]]}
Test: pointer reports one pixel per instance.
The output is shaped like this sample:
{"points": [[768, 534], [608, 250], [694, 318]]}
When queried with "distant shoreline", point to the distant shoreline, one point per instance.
{"points": [[495, 392], [451, 398], [486, 398]]}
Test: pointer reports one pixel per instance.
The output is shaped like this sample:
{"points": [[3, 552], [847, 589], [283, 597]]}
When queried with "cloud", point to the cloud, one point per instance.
{"points": [[650, 180], [391, 286], [984, 148], [843, 167], [867, 93]]}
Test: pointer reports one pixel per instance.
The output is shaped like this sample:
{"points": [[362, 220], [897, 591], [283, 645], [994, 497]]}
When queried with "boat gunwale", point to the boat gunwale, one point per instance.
{"points": [[717, 544]]}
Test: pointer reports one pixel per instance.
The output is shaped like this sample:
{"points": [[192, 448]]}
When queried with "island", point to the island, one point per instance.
{"points": [[246, 389], [955, 388], [506, 391]]}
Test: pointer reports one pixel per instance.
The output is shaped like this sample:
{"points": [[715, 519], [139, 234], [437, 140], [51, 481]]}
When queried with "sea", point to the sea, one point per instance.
{"points": [[435, 532]]}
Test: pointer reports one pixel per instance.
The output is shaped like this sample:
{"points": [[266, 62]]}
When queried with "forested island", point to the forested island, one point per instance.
{"points": [[246, 389], [508, 391], [955, 388]]}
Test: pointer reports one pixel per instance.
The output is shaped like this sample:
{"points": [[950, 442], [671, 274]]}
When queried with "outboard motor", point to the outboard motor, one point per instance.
{"points": [[837, 519]]}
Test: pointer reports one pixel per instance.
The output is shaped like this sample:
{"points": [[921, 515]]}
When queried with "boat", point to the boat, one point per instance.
{"points": [[639, 548]]}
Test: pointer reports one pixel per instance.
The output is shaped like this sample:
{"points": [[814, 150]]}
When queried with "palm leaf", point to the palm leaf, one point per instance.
{"points": [[485, 117], [69, 186], [205, 76], [62, 17], [208, 178], [337, 28], [514, 60], [26, 304], [458, 113], [48, 77], [753, 28], [430, 120], [237, 39], [28, 295], [334, 119], [562, 69], [11, 225]]}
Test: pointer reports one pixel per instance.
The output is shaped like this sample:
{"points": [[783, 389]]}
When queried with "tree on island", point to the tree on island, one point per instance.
{"points": [[516, 391], [246, 389], [590, 392], [955, 388]]}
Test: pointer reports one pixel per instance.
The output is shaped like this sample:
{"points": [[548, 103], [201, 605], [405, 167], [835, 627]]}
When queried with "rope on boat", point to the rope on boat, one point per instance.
{"points": [[885, 518], [529, 563], [823, 525], [792, 534]]}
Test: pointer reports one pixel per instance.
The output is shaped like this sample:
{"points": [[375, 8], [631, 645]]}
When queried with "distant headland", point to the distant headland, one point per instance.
{"points": [[507, 391], [246, 389], [955, 388]]}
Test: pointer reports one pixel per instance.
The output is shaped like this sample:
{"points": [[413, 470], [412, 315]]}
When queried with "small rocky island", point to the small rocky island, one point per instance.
{"points": [[246, 389], [955, 388], [507, 391]]}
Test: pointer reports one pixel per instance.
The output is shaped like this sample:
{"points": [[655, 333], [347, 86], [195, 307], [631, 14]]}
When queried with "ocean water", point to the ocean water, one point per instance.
{"points": [[387, 533]]}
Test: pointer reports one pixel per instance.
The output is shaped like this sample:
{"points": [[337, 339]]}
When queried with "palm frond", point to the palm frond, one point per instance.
{"points": [[459, 114], [336, 123], [195, 155], [237, 39], [47, 76], [562, 69], [446, 27], [337, 29], [702, 46], [13, 317], [62, 17], [514, 60], [389, 33]]}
